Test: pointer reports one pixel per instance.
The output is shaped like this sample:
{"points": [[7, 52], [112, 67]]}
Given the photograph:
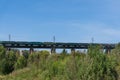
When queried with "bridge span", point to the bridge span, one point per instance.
{"points": [[53, 45]]}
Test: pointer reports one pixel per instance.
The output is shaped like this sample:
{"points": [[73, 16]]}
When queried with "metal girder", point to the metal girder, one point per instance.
{"points": [[21, 44]]}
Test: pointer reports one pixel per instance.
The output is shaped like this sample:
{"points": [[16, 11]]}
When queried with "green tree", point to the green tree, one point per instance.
{"points": [[7, 64]]}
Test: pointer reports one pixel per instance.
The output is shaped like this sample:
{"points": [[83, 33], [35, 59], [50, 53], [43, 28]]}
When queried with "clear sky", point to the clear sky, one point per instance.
{"points": [[68, 20]]}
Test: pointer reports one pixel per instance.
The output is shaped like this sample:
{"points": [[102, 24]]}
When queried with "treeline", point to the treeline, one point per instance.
{"points": [[93, 65]]}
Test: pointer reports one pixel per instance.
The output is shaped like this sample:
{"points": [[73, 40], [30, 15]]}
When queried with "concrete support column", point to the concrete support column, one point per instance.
{"points": [[21, 52], [53, 50], [72, 50], [107, 51], [31, 50]]}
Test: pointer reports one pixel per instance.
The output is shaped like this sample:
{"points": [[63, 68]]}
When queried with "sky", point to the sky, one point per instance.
{"points": [[67, 20]]}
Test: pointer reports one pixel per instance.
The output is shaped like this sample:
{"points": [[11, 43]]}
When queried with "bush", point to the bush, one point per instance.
{"points": [[21, 63], [6, 66], [94, 65], [26, 54], [7, 63], [2, 52]]}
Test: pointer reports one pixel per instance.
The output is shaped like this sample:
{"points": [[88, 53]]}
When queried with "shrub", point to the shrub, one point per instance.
{"points": [[7, 63], [2, 52], [21, 63]]}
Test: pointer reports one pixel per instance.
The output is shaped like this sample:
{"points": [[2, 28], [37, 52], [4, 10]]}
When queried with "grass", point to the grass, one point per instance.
{"points": [[95, 65]]}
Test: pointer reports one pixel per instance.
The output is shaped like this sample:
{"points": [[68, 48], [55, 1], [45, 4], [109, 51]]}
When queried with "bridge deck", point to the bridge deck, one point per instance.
{"points": [[21, 44]]}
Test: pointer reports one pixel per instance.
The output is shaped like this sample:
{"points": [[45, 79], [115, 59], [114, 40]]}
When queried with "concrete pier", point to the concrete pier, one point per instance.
{"points": [[31, 50], [72, 50], [53, 50]]}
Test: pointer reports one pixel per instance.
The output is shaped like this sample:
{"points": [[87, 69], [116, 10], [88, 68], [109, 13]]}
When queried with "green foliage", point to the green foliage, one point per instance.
{"points": [[116, 51], [6, 67], [94, 65], [94, 50], [21, 62], [25, 54], [37, 56], [2, 56], [64, 52], [2, 52], [44, 54], [11, 56], [7, 64], [102, 67], [31, 58]]}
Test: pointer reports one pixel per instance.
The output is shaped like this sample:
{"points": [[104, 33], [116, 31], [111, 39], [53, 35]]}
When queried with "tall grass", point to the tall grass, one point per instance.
{"points": [[95, 65]]}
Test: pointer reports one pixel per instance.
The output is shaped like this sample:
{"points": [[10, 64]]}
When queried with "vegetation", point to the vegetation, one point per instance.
{"points": [[40, 65]]}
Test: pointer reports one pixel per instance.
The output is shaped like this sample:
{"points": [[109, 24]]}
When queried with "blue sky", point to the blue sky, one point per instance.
{"points": [[68, 20]]}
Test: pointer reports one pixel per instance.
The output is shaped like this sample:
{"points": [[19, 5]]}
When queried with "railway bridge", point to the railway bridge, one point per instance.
{"points": [[53, 45]]}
